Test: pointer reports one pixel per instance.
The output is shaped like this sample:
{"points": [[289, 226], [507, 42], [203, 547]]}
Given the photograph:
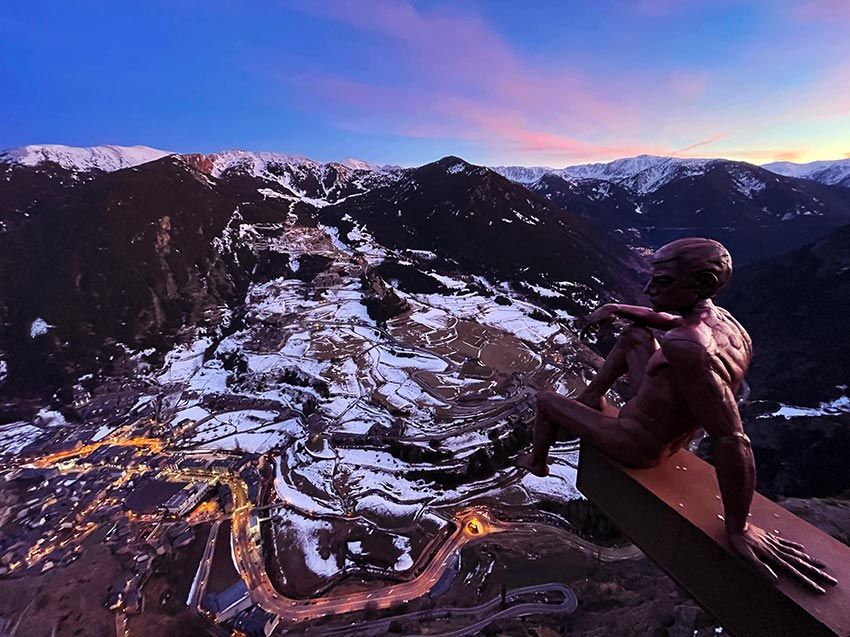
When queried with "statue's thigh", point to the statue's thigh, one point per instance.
{"points": [[626, 441]]}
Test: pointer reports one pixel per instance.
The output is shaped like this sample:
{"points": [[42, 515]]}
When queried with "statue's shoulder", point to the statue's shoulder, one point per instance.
{"points": [[728, 330], [685, 346], [695, 333]]}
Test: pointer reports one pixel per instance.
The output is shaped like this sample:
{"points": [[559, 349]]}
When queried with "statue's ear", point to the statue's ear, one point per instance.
{"points": [[706, 280]]}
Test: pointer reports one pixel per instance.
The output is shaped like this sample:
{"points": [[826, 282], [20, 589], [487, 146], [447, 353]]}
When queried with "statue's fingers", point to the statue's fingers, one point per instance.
{"points": [[810, 570], [788, 543], [759, 564], [783, 564], [784, 548], [806, 567]]}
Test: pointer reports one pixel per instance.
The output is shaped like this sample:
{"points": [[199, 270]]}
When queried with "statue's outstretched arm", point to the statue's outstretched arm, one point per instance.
{"points": [[643, 316], [709, 396]]}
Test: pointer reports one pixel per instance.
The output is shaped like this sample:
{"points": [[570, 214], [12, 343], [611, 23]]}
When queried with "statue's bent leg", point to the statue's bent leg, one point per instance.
{"points": [[556, 412], [620, 438], [630, 355]]}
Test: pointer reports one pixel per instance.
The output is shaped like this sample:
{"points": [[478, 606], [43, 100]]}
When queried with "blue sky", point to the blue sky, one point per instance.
{"points": [[406, 82]]}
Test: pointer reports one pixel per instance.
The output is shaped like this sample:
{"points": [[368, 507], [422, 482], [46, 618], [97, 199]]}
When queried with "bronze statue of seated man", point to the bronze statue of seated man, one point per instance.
{"points": [[682, 382]]}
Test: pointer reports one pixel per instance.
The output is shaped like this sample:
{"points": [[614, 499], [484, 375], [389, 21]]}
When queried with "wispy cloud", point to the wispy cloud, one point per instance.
{"points": [[467, 82], [704, 142], [461, 80], [822, 10]]}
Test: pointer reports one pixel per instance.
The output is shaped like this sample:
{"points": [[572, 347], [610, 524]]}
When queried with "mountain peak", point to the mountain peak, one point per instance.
{"points": [[831, 172], [106, 158]]}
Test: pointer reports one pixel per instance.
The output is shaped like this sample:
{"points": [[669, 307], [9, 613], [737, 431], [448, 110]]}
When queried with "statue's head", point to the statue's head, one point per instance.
{"points": [[686, 271]]}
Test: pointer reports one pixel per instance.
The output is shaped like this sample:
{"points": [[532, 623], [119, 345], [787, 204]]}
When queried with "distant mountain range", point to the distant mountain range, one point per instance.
{"points": [[645, 200], [111, 247], [97, 265], [652, 200], [833, 173], [643, 174], [646, 173]]}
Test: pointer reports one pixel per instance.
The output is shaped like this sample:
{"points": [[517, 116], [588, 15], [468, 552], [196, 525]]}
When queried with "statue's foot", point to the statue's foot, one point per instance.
{"points": [[526, 461]]}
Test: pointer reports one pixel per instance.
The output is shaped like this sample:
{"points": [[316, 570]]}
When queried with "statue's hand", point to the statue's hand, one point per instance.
{"points": [[600, 317], [766, 552]]}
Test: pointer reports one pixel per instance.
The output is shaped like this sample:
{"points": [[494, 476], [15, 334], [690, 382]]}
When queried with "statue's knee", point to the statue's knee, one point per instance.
{"points": [[545, 399], [637, 336]]}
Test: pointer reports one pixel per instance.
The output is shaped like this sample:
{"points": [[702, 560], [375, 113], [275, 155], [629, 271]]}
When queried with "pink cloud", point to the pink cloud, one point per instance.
{"points": [[788, 155], [466, 82], [448, 115], [460, 80], [759, 155], [817, 10], [704, 142]]}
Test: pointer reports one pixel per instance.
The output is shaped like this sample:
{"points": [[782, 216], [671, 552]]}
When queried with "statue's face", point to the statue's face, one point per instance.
{"points": [[670, 290]]}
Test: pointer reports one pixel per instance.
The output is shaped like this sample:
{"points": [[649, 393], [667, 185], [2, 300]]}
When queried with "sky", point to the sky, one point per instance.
{"points": [[406, 82]]}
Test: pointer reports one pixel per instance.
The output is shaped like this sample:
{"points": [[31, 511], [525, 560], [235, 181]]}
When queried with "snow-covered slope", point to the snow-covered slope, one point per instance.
{"points": [[105, 158], [526, 174], [831, 172], [315, 182], [259, 163], [253, 163], [642, 174]]}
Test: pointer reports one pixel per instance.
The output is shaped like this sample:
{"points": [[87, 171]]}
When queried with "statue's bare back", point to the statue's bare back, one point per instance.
{"points": [[673, 423]]}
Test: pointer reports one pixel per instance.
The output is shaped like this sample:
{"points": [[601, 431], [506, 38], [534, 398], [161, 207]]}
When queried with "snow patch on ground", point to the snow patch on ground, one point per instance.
{"points": [[183, 361], [542, 291], [449, 282], [17, 435], [839, 405], [514, 318], [50, 418], [404, 561], [39, 327], [295, 498]]}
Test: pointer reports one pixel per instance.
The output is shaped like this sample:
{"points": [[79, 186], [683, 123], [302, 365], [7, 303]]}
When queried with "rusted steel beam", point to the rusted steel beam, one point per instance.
{"points": [[672, 513]]}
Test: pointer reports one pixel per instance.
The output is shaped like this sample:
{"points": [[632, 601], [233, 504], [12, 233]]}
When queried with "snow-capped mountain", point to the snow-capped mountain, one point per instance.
{"points": [[286, 176], [526, 174], [109, 158], [642, 174], [294, 176], [106, 158], [651, 200], [834, 173], [134, 256]]}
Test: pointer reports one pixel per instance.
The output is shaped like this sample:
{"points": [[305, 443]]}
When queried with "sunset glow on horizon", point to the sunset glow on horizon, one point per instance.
{"points": [[406, 82]]}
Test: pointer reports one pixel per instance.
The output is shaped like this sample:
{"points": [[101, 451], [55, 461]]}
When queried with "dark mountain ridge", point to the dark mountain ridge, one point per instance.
{"points": [[796, 308], [754, 212], [479, 222], [128, 257]]}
